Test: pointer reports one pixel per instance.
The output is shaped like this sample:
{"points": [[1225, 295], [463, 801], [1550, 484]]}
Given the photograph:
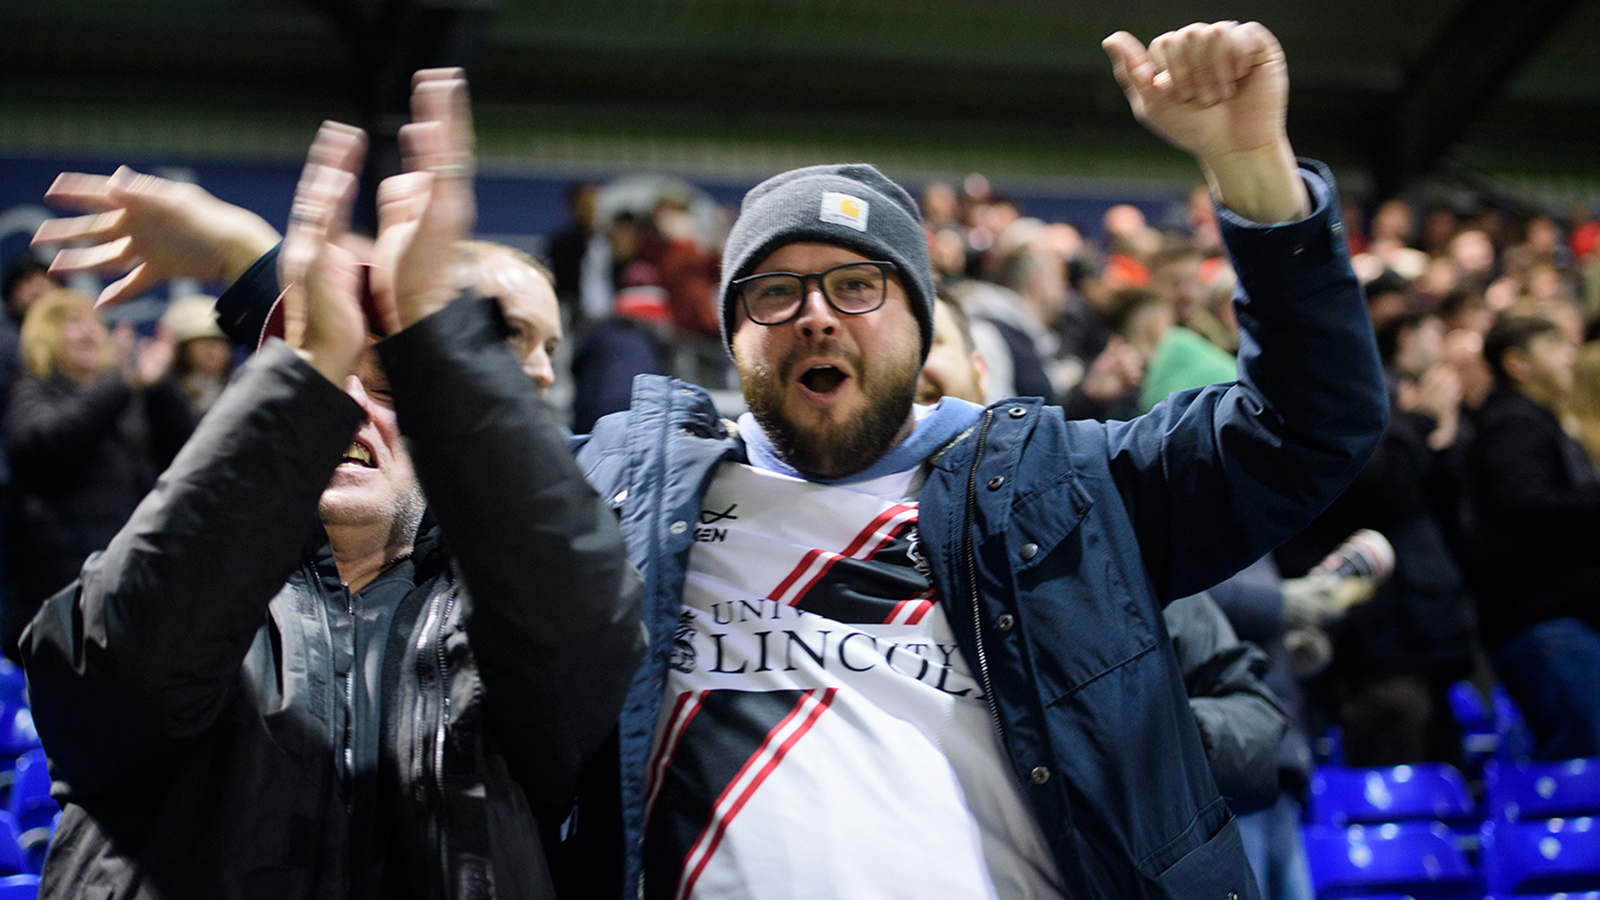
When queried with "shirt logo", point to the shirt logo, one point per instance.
{"points": [[843, 209]]}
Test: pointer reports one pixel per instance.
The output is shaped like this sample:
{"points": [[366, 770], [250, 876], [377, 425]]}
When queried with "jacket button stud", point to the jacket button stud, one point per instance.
{"points": [[1029, 551], [1016, 412], [1039, 775], [1005, 622], [679, 527], [1233, 896], [621, 496], [995, 482]]}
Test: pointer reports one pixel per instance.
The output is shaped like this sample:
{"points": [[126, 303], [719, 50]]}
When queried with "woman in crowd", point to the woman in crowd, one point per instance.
{"points": [[93, 420]]}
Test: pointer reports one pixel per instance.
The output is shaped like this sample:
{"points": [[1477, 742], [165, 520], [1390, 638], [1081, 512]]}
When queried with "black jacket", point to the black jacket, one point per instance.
{"points": [[83, 456], [188, 688], [1537, 503], [1420, 619], [1241, 723]]}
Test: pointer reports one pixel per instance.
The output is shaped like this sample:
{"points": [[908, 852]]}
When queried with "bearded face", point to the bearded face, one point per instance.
{"points": [[832, 391]]}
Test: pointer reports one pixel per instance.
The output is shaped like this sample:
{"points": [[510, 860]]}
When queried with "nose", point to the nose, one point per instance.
{"points": [[538, 367], [817, 316], [358, 393]]}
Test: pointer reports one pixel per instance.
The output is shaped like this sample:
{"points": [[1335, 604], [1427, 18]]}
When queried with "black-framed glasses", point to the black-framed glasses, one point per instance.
{"points": [[776, 298]]}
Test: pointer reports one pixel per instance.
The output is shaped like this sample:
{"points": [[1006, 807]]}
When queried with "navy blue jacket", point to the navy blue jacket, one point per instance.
{"points": [[1054, 545]]}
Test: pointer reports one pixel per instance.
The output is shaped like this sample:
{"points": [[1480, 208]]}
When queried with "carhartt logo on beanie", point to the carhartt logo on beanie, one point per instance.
{"points": [[852, 206]]}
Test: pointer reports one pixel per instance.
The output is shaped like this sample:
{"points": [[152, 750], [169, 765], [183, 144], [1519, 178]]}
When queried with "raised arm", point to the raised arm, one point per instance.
{"points": [[553, 608], [1214, 478], [150, 228], [138, 658], [1220, 92]]}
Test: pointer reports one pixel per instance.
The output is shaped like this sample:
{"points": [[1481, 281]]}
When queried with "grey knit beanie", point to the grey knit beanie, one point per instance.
{"points": [[853, 206]]}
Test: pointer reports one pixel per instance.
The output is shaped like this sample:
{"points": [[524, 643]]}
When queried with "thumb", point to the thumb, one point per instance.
{"points": [[1130, 64]]}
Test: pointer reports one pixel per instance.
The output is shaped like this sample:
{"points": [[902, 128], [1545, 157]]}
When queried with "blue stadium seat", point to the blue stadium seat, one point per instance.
{"points": [[12, 861], [13, 683], [1479, 738], [1413, 858], [1516, 742], [1518, 791], [31, 806], [19, 887], [1424, 791], [17, 734], [1521, 858], [1564, 895]]}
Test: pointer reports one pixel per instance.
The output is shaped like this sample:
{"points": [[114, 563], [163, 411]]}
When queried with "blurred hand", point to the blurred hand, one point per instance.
{"points": [[143, 362], [1310, 651], [322, 278], [1438, 395], [152, 229], [1220, 92], [1118, 369], [423, 212], [1319, 599]]}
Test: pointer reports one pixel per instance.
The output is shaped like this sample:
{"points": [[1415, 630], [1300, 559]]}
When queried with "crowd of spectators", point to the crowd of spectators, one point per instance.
{"points": [[1483, 494]]}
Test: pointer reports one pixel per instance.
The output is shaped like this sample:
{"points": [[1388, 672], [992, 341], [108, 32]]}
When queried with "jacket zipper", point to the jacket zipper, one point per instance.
{"points": [[444, 697], [972, 579], [350, 692], [417, 740]]}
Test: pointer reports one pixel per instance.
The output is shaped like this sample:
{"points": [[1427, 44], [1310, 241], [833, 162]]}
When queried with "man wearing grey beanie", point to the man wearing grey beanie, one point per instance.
{"points": [[905, 651]]}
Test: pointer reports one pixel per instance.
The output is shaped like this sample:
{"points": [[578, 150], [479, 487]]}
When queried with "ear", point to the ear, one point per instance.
{"points": [[980, 368], [1515, 363]]}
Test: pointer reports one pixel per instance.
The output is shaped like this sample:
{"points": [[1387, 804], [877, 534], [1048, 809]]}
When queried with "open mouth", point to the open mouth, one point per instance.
{"points": [[358, 455], [822, 379]]}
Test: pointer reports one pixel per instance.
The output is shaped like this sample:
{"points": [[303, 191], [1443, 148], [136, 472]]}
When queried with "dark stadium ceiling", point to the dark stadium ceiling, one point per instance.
{"points": [[1390, 91]]}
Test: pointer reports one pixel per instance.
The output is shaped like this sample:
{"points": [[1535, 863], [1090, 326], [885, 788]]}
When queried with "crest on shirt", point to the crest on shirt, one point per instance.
{"points": [[683, 653]]}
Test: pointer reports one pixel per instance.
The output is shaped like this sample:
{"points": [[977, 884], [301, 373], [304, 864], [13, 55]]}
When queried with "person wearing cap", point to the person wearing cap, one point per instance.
{"points": [[917, 651], [285, 678], [204, 359], [634, 340]]}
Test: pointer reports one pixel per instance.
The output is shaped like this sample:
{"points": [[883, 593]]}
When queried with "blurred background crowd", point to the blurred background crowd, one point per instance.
{"points": [[1086, 265]]}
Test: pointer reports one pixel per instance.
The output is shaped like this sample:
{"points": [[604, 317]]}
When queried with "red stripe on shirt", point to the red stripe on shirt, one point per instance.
{"points": [[736, 795]]}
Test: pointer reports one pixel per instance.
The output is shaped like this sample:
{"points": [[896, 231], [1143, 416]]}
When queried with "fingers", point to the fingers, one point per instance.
{"points": [[1130, 64], [1199, 63], [100, 227], [80, 192], [440, 106], [401, 198], [321, 213], [116, 255], [137, 282], [337, 146], [1254, 46], [332, 165]]}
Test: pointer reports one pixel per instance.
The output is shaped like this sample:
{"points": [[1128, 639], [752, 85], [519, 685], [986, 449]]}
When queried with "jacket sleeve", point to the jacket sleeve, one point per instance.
{"points": [[139, 656], [1214, 477], [1240, 721], [243, 308], [553, 608]]}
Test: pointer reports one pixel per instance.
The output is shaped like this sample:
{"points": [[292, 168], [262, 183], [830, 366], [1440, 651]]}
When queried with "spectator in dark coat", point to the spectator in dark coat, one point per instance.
{"points": [[632, 341], [1395, 656], [88, 427], [1537, 498]]}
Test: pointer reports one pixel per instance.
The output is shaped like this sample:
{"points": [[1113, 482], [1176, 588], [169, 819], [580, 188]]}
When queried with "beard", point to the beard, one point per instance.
{"points": [[843, 446], [401, 510]]}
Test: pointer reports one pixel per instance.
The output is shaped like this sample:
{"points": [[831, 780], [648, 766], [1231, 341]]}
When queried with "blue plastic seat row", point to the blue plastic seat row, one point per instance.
{"points": [[1423, 860]]}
